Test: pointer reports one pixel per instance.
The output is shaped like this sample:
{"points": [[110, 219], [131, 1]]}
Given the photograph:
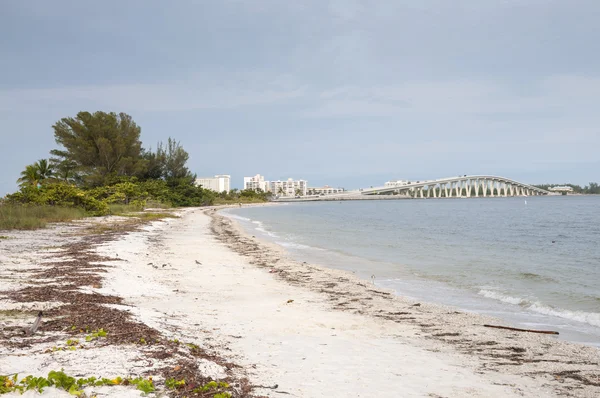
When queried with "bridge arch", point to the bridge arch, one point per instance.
{"points": [[461, 187]]}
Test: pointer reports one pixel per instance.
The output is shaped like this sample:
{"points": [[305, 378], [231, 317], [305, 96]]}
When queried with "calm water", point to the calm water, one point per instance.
{"points": [[534, 263]]}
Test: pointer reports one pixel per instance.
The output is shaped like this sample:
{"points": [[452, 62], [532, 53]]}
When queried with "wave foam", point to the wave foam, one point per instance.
{"points": [[501, 297], [591, 318], [229, 215]]}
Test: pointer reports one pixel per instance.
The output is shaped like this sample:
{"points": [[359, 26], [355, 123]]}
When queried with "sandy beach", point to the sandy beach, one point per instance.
{"points": [[195, 297]]}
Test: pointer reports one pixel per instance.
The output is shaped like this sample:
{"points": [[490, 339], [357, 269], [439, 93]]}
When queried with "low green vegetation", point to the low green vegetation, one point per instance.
{"points": [[74, 386], [100, 168]]}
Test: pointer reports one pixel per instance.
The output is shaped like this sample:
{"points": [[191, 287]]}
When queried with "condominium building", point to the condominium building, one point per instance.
{"points": [[326, 190], [288, 187], [255, 183], [218, 183]]}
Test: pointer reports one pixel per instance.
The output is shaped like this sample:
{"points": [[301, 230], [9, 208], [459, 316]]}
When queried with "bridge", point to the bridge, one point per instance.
{"points": [[458, 187]]}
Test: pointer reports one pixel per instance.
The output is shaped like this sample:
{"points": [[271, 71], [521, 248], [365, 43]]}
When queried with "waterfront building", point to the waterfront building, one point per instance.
{"points": [[396, 183], [561, 189], [288, 187], [255, 183], [218, 183], [326, 190]]}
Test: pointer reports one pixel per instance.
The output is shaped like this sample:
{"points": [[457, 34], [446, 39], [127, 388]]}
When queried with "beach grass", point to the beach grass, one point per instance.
{"points": [[24, 217]]}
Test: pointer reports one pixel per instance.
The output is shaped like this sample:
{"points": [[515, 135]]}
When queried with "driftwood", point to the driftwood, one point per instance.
{"points": [[36, 324], [521, 330]]}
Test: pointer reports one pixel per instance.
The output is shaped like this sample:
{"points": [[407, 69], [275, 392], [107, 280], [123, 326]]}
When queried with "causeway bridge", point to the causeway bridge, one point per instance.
{"points": [[458, 187]]}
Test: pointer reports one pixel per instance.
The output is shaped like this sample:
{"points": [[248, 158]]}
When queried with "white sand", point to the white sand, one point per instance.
{"points": [[306, 347]]}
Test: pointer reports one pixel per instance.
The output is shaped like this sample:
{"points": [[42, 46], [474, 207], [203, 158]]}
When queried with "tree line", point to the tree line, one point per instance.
{"points": [[591, 188], [100, 161]]}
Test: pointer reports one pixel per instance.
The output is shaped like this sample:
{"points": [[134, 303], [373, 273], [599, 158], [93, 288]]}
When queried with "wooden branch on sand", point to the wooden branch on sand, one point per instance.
{"points": [[36, 324], [521, 330]]}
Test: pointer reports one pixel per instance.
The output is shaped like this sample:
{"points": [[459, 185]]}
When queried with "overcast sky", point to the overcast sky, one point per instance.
{"points": [[346, 93]]}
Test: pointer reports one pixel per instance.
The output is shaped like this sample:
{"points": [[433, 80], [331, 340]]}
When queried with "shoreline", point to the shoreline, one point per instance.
{"points": [[516, 308], [196, 298], [525, 354]]}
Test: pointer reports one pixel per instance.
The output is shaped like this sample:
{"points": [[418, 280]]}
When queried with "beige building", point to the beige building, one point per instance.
{"points": [[218, 183], [255, 183], [288, 187], [326, 190]]}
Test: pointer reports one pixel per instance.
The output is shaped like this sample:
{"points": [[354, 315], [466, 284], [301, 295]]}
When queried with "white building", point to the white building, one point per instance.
{"points": [[256, 182], [326, 190], [565, 189], [396, 183], [218, 183], [289, 187]]}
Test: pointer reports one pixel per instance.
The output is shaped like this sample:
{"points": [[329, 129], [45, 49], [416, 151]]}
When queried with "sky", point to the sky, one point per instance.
{"points": [[347, 93]]}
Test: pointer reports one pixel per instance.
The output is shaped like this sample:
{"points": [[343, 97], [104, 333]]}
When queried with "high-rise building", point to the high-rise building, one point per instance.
{"points": [[218, 183], [255, 183]]}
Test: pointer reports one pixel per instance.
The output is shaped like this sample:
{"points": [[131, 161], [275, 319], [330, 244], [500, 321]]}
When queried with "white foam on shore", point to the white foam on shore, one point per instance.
{"points": [[501, 297], [591, 318]]}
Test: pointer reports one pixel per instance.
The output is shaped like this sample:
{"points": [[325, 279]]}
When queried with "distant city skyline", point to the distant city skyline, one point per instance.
{"points": [[348, 93]]}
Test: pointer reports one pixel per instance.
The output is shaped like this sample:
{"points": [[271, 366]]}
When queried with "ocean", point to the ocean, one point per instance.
{"points": [[534, 262]]}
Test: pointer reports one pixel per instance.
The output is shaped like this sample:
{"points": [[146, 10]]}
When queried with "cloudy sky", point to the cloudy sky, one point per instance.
{"points": [[343, 92]]}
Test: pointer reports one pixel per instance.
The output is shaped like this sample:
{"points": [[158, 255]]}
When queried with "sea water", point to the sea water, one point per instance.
{"points": [[534, 262]]}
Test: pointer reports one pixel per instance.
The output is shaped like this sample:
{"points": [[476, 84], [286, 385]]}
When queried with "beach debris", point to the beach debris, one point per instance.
{"points": [[416, 305], [164, 265], [198, 262], [36, 324], [273, 270], [273, 387], [290, 301], [155, 266], [522, 330], [150, 263]]}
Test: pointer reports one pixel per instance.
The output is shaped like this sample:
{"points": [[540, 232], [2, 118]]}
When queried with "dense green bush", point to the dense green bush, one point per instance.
{"points": [[60, 195]]}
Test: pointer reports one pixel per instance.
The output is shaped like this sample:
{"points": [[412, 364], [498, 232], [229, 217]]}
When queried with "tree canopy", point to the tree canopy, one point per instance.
{"points": [[99, 145]]}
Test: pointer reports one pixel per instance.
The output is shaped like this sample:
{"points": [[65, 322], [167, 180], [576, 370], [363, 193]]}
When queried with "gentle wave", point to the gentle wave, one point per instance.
{"points": [[259, 225], [229, 215], [591, 318], [292, 245], [501, 297], [261, 228]]}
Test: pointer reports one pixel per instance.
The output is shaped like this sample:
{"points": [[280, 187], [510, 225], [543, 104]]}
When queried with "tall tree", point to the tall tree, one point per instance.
{"points": [[36, 173], [155, 163], [29, 176], [65, 170], [44, 169], [175, 161], [100, 144]]}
